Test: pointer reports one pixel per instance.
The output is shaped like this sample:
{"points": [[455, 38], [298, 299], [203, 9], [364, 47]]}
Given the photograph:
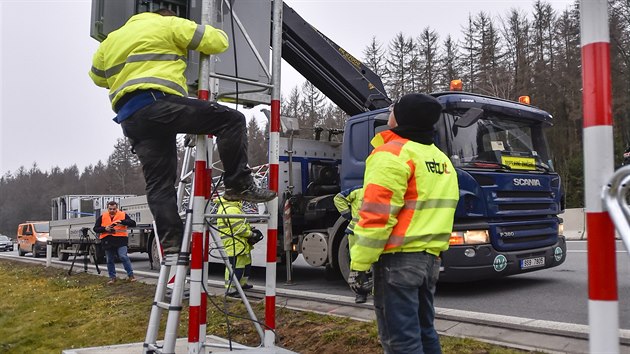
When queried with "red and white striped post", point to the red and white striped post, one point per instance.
{"points": [[199, 239], [603, 304], [203, 306], [196, 250], [274, 160]]}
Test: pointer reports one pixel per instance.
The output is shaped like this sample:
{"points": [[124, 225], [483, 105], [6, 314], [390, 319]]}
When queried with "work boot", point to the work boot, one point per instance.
{"points": [[111, 281], [247, 286], [132, 279], [360, 298], [250, 193], [170, 246]]}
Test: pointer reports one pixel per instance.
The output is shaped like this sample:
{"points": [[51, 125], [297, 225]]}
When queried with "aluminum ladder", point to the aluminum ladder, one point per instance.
{"points": [[194, 256]]}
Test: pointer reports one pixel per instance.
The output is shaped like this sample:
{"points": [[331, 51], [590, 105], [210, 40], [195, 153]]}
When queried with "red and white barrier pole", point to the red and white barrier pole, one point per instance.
{"points": [[274, 160], [196, 251], [603, 305], [199, 239]]}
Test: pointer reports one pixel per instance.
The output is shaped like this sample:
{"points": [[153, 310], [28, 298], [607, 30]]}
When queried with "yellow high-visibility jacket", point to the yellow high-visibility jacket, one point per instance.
{"points": [[409, 201], [149, 52], [233, 231], [348, 202]]}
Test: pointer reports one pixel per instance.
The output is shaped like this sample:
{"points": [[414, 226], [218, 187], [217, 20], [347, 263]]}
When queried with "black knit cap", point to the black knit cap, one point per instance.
{"points": [[417, 110]]}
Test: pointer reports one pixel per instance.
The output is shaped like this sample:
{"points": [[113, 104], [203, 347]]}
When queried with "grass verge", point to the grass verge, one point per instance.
{"points": [[43, 310]]}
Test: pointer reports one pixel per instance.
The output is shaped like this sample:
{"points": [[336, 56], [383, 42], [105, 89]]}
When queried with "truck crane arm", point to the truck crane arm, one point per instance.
{"points": [[341, 77]]}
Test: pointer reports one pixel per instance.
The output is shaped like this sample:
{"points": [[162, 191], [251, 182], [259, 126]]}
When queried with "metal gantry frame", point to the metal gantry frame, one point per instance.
{"points": [[195, 190]]}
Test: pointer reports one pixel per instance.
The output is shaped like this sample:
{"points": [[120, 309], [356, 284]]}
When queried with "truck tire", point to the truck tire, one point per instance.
{"points": [[20, 252], [34, 252], [343, 258], [60, 255], [154, 254]]}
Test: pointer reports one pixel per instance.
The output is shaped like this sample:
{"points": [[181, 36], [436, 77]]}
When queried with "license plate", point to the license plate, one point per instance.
{"points": [[532, 262]]}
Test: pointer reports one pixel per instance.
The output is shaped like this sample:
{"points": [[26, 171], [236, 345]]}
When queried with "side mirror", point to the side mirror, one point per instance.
{"points": [[469, 118]]}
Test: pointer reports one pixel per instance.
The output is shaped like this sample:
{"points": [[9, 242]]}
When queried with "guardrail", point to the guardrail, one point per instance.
{"points": [[574, 224], [615, 198]]}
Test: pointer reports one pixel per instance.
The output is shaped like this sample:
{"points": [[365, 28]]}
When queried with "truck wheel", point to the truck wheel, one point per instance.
{"points": [[60, 255], [154, 254], [20, 252], [343, 258], [34, 252]]}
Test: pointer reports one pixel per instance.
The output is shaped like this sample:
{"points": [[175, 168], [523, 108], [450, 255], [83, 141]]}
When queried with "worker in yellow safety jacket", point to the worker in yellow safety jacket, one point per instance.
{"points": [[348, 202], [238, 239], [405, 221], [143, 64]]}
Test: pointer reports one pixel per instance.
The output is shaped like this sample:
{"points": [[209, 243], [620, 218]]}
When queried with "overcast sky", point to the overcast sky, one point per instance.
{"points": [[52, 114]]}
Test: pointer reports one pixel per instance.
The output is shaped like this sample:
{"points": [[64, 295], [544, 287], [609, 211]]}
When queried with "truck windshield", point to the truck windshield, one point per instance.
{"points": [[41, 227], [499, 142]]}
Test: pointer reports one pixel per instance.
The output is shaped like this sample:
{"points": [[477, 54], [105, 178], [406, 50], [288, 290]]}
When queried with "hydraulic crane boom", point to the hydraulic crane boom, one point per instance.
{"points": [[345, 80]]}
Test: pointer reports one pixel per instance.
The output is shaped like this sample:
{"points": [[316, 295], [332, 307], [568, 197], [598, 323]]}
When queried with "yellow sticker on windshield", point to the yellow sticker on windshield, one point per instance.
{"points": [[519, 163]]}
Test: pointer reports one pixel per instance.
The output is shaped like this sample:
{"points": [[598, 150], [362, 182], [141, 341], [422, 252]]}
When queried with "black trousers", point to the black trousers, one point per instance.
{"points": [[153, 130]]}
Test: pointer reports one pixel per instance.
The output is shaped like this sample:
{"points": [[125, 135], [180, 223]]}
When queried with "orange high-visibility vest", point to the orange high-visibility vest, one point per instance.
{"points": [[106, 220]]}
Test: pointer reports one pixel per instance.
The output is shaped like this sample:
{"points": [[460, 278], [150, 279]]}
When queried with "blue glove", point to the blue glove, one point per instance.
{"points": [[360, 281]]}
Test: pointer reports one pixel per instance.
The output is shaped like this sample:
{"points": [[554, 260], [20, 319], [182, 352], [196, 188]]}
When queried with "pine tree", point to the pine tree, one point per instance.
{"points": [[399, 57], [450, 64], [516, 31], [427, 45], [471, 52], [257, 146], [311, 107], [123, 166], [374, 57]]}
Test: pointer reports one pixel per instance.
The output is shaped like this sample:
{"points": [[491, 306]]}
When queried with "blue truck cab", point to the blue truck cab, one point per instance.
{"points": [[506, 221]]}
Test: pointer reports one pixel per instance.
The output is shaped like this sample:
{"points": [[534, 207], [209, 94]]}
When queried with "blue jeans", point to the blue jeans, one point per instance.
{"points": [[404, 285], [124, 259]]}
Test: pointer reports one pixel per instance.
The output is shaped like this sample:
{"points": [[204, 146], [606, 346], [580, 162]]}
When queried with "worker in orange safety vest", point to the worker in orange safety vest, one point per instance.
{"points": [[112, 227]]}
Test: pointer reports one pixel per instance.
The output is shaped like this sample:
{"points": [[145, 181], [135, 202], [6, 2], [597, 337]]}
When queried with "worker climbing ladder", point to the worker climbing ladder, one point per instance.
{"points": [[193, 255], [194, 192]]}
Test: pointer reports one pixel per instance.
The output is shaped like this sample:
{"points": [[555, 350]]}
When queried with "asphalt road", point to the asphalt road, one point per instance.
{"points": [[558, 294]]}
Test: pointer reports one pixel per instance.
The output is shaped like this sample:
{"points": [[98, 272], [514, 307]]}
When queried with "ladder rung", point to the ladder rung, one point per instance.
{"points": [[167, 306], [178, 259], [237, 216]]}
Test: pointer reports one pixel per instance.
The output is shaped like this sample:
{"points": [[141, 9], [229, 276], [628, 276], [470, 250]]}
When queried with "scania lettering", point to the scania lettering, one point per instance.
{"points": [[526, 182]]}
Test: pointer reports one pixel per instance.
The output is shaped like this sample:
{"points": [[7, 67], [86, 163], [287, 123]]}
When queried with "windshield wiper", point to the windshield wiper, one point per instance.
{"points": [[542, 167], [488, 164]]}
